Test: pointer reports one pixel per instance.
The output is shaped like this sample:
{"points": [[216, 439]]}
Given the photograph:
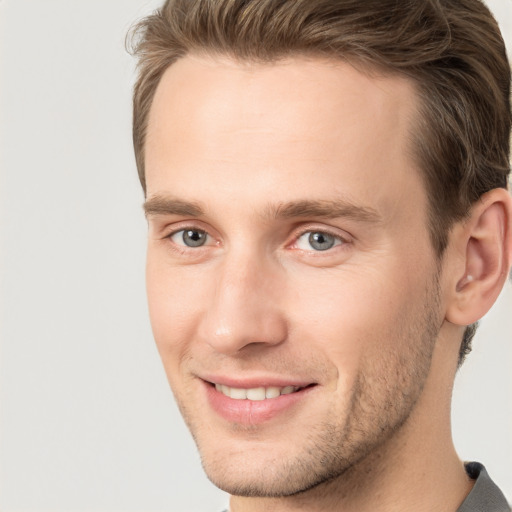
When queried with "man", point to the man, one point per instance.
{"points": [[328, 219]]}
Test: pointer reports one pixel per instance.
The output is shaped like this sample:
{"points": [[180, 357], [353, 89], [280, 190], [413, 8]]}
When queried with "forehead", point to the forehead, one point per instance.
{"points": [[304, 121], [198, 91]]}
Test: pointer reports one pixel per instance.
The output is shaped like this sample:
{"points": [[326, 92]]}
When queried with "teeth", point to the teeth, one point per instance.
{"points": [[272, 392], [238, 393], [255, 394]]}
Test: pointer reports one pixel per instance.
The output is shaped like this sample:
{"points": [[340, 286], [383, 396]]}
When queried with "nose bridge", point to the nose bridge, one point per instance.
{"points": [[245, 306]]}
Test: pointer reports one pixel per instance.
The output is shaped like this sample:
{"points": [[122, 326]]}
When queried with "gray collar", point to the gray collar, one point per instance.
{"points": [[485, 495]]}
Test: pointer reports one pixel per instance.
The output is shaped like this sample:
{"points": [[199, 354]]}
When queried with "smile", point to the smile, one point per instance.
{"points": [[252, 401], [255, 394]]}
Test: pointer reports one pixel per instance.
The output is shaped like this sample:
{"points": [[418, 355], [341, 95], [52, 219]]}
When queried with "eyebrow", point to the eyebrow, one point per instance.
{"points": [[325, 209], [159, 205]]}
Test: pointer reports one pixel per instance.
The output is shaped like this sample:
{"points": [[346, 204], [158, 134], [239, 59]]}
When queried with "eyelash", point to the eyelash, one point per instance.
{"points": [[340, 241], [183, 248]]}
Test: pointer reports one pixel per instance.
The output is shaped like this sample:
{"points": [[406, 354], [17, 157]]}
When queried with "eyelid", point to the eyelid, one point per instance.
{"points": [[315, 228], [193, 225], [305, 239], [212, 238], [177, 232], [171, 228]]}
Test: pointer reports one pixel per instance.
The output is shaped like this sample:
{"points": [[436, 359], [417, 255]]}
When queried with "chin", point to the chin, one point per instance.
{"points": [[251, 463], [268, 481], [265, 470]]}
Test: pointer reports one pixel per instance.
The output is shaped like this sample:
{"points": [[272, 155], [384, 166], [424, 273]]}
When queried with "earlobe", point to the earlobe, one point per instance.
{"points": [[486, 241]]}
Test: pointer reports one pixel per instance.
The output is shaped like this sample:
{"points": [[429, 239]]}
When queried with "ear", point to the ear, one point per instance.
{"points": [[484, 256]]}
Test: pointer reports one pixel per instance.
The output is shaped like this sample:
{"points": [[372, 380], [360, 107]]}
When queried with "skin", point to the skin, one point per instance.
{"points": [[233, 151]]}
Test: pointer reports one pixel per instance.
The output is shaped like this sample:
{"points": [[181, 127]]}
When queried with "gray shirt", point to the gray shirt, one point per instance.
{"points": [[485, 495]]}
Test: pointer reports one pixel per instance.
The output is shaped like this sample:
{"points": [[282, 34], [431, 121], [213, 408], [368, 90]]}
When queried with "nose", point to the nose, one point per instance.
{"points": [[246, 306]]}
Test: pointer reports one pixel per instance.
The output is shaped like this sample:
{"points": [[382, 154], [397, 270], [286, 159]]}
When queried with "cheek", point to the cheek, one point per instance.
{"points": [[175, 307], [347, 313]]}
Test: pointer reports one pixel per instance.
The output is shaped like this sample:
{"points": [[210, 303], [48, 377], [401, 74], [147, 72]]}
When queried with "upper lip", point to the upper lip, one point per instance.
{"points": [[256, 381]]}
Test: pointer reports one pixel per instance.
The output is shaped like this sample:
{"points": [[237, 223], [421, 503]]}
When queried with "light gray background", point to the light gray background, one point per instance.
{"points": [[87, 420]]}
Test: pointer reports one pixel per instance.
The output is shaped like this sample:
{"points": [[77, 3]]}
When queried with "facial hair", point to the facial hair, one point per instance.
{"points": [[382, 399]]}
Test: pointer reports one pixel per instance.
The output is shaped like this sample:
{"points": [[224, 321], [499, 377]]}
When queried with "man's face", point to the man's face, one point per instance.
{"points": [[292, 286]]}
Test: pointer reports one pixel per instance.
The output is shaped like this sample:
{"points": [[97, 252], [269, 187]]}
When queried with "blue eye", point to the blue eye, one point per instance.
{"points": [[318, 241], [190, 237]]}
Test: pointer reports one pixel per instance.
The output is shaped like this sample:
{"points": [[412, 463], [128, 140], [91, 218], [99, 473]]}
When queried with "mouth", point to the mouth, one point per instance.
{"points": [[258, 393], [256, 402]]}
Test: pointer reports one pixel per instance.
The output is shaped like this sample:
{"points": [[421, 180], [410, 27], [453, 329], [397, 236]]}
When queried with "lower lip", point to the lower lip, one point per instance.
{"points": [[252, 412]]}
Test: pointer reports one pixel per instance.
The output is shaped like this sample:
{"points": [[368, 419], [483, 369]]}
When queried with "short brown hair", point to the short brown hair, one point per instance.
{"points": [[452, 50]]}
